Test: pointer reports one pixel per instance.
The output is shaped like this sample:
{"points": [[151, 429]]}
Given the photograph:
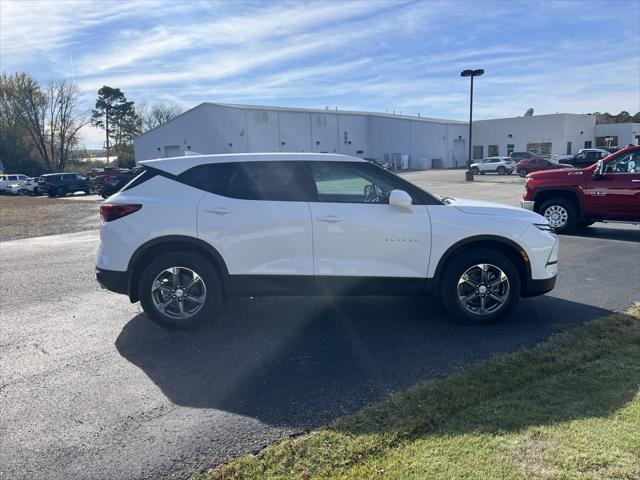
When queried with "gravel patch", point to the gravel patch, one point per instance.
{"points": [[25, 217]]}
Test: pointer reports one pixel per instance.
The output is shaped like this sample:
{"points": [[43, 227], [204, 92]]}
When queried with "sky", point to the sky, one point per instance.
{"points": [[402, 56]]}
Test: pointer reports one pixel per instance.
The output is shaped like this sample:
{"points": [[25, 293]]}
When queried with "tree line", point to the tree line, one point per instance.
{"points": [[41, 123], [622, 117]]}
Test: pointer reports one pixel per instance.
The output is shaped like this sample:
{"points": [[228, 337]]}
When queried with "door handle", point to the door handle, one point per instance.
{"points": [[330, 219], [218, 210]]}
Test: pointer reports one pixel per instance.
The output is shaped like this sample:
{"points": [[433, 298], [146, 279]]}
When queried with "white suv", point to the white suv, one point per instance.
{"points": [[499, 165], [189, 231]]}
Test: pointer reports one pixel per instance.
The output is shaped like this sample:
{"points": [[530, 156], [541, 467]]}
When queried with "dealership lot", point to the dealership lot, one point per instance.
{"points": [[91, 389]]}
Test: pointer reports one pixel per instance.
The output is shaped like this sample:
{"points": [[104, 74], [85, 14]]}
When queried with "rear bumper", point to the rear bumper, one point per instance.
{"points": [[113, 280], [539, 287]]}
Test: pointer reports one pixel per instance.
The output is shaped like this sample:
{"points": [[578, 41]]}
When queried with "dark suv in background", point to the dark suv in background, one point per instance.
{"points": [[61, 184]]}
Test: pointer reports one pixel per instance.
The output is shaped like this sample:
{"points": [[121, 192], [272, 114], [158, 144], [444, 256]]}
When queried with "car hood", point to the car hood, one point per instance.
{"points": [[481, 207]]}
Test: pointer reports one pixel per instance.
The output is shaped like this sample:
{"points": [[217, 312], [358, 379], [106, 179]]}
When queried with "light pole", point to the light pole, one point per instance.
{"points": [[470, 73]]}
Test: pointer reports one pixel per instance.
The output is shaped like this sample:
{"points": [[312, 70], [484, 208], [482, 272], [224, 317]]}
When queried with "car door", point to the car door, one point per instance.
{"points": [[616, 194], [257, 217], [359, 240]]}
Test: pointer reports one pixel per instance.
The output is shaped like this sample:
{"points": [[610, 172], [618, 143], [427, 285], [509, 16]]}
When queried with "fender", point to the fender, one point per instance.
{"points": [[576, 192], [482, 238], [196, 242]]}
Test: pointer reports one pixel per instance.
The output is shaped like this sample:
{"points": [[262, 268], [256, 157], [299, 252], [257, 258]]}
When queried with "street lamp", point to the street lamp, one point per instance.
{"points": [[470, 73]]}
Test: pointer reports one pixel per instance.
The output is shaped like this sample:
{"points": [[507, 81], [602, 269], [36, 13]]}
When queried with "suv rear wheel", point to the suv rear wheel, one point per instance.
{"points": [[62, 191], [523, 173], [480, 286], [561, 214], [180, 290], [502, 170]]}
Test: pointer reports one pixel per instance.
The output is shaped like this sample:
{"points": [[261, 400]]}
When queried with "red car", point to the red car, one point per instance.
{"points": [[607, 191], [528, 165]]}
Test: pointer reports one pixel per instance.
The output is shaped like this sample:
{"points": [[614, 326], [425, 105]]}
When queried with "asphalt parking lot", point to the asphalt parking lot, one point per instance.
{"points": [[91, 389]]}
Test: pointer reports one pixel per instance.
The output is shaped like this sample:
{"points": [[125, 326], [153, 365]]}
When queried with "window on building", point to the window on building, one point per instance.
{"points": [[346, 137], [540, 149], [510, 149], [260, 117], [492, 151], [587, 144], [477, 152], [568, 148], [608, 141]]}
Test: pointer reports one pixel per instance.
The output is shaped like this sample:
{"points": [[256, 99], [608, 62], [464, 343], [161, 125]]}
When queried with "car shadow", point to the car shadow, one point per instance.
{"points": [[300, 362], [629, 234]]}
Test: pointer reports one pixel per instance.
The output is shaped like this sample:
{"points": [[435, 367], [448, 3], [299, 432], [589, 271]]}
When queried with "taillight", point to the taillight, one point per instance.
{"points": [[114, 211]]}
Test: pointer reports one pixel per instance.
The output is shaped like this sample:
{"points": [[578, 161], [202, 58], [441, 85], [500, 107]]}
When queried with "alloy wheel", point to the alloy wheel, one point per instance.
{"points": [[483, 289], [556, 215], [178, 293]]}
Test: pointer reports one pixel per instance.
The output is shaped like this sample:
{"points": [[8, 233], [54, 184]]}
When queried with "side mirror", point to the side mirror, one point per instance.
{"points": [[599, 171], [401, 199]]}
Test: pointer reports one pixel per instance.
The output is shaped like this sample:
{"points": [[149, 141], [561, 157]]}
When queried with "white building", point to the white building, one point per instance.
{"points": [[555, 134], [617, 134], [221, 128], [413, 142]]}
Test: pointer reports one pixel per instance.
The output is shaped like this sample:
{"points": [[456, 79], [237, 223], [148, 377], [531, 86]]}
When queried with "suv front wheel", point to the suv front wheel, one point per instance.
{"points": [[180, 290], [480, 286]]}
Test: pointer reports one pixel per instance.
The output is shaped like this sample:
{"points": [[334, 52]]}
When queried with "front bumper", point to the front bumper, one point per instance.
{"points": [[527, 204], [539, 287], [113, 280]]}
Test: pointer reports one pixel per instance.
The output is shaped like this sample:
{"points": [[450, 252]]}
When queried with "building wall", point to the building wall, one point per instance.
{"points": [[211, 128], [557, 129], [626, 132]]}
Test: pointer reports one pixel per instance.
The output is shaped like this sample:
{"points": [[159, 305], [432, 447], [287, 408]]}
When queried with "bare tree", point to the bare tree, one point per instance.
{"points": [[51, 116], [157, 114]]}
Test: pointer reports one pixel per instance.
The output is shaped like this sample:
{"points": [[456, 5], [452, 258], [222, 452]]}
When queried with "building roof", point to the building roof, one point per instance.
{"points": [[177, 165], [338, 112]]}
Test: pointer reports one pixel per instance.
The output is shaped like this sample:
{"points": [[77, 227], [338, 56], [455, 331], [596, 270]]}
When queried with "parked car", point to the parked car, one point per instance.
{"points": [[61, 184], [586, 157], [499, 165], [113, 183], [517, 156], [10, 179], [381, 163], [608, 190], [192, 230], [25, 187], [526, 166]]}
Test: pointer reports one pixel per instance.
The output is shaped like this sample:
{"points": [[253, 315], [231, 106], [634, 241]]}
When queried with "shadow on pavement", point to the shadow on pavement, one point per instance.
{"points": [[631, 234], [301, 362]]}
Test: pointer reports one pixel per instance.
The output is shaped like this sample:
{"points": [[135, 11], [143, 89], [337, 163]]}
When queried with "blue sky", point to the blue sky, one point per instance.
{"points": [[555, 56]]}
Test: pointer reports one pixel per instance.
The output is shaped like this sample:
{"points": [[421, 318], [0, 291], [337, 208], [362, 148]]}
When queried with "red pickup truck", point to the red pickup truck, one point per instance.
{"points": [[607, 191]]}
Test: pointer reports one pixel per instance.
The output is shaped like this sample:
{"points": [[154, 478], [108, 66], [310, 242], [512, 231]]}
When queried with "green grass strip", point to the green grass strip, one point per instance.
{"points": [[565, 408]]}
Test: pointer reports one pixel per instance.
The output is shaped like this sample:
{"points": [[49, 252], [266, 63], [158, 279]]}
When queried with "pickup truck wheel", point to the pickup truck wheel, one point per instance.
{"points": [[501, 171], [474, 170], [522, 173], [560, 213], [180, 290], [480, 286], [584, 223]]}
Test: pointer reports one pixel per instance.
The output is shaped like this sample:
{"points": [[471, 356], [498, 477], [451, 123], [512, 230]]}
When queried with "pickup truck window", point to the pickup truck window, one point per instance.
{"points": [[629, 163]]}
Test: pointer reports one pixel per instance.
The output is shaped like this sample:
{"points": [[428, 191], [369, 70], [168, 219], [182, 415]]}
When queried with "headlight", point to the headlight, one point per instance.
{"points": [[545, 227]]}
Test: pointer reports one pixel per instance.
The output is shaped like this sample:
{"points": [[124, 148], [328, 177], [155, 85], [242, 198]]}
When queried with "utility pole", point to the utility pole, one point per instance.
{"points": [[470, 73]]}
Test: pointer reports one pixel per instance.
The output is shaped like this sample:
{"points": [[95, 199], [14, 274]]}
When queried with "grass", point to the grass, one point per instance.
{"points": [[567, 408]]}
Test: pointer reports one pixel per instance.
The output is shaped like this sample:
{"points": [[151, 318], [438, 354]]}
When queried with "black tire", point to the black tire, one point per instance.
{"points": [[87, 192], [23, 192], [198, 264], [62, 192], [474, 170], [558, 204], [104, 195], [482, 173], [459, 265], [501, 171], [584, 223], [523, 173], [51, 193]]}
